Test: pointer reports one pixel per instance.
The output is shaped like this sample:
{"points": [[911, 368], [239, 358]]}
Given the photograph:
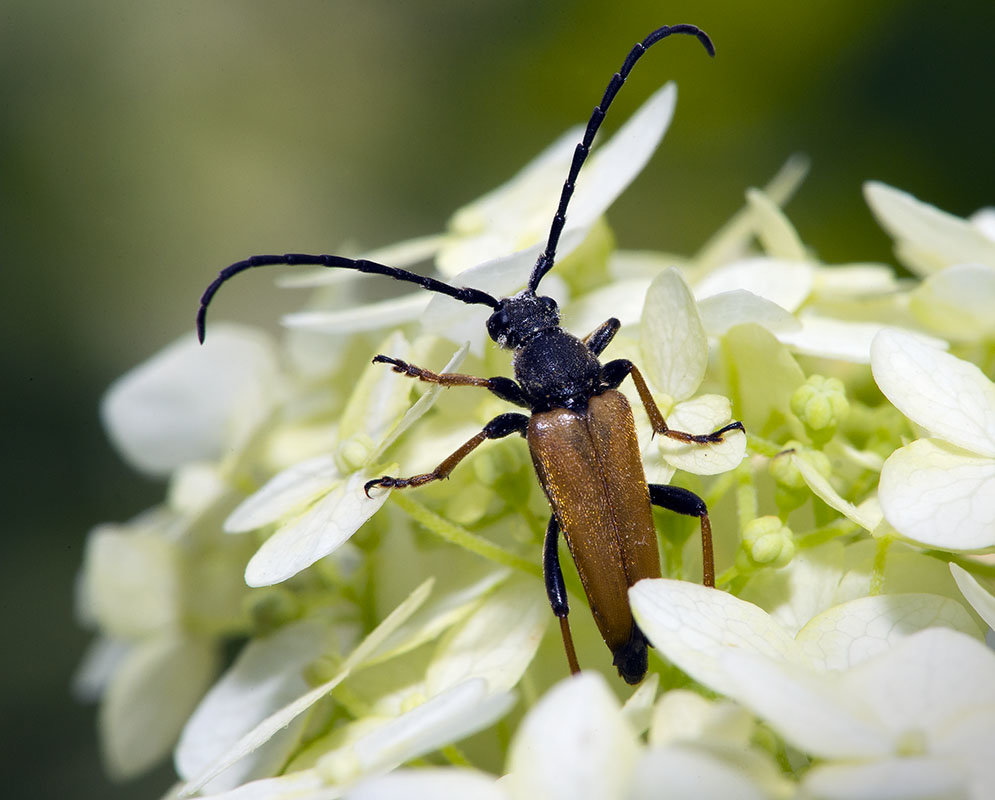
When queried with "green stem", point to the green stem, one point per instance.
{"points": [[461, 537], [880, 558]]}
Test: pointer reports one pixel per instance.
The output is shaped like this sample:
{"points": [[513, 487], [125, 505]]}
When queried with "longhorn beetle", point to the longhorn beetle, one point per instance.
{"points": [[580, 430]]}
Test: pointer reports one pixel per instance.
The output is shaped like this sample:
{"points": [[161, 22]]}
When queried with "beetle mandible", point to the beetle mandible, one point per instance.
{"points": [[580, 428]]}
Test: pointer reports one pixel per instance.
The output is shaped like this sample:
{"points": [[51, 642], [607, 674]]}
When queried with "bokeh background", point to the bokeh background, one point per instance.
{"points": [[145, 145]]}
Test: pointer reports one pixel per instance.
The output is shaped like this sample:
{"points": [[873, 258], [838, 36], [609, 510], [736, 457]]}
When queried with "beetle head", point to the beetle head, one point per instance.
{"points": [[517, 319]]}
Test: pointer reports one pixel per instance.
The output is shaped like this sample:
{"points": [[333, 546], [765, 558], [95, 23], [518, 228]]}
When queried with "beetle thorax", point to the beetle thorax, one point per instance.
{"points": [[557, 370]]}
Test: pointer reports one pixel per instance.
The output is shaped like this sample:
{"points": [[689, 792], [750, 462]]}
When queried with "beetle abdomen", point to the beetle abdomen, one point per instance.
{"points": [[590, 467]]}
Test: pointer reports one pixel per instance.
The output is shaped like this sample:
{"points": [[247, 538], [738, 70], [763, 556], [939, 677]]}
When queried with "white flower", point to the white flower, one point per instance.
{"points": [[939, 490]]}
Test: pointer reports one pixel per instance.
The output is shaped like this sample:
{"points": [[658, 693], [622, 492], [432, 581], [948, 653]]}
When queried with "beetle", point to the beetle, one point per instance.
{"points": [[579, 428]]}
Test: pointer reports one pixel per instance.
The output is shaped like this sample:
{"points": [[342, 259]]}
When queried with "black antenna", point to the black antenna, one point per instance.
{"points": [[545, 261], [464, 295]]}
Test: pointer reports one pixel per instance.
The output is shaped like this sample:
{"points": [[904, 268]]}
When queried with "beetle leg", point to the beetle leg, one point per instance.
{"points": [[614, 372], [499, 427], [505, 388], [598, 339], [681, 501], [556, 589]]}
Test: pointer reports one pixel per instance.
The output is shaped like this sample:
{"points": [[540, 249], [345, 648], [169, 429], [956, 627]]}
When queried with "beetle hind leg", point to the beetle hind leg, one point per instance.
{"points": [[682, 501], [556, 589]]}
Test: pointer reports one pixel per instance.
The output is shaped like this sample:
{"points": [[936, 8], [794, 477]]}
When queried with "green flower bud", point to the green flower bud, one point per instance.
{"points": [[821, 404], [768, 542], [352, 453]]}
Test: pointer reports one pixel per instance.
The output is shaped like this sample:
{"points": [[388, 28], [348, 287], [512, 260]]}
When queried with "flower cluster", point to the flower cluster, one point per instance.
{"points": [[285, 636]]}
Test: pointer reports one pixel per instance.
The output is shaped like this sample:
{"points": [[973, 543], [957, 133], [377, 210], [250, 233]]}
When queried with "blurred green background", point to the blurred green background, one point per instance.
{"points": [[145, 145]]}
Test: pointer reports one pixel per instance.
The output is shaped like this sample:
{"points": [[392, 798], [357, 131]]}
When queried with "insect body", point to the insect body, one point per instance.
{"points": [[579, 430]]}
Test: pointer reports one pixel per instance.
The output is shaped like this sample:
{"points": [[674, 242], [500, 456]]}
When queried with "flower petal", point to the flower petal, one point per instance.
{"points": [[429, 783], [368, 317], [573, 744], [776, 233], [926, 238], [690, 773], [720, 312], [268, 674], [981, 599], [672, 339], [895, 778], [939, 496], [784, 282], [692, 626], [957, 303], [865, 515], [192, 403], [949, 397], [314, 534], [704, 414]]}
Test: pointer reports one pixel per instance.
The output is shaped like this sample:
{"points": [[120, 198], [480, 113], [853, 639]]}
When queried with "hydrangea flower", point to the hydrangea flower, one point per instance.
{"points": [[394, 645]]}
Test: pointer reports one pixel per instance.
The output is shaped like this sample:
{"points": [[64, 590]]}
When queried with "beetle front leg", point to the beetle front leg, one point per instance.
{"points": [[682, 501], [499, 427], [598, 339], [556, 589], [614, 372], [505, 388]]}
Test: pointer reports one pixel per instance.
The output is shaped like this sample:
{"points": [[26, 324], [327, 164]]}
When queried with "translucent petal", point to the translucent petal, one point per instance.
{"points": [[776, 233], [826, 337], [939, 496], [573, 744], [620, 299], [852, 632], [692, 626], [495, 643], [866, 517], [132, 581], [949, 397], [927, 238], [315, 533], [926, 686], [853, 280], [369, 317], [446, 718], [276, 722], [672, 340], [811, 710], [284, 493], [784, 282], [894, 778], [704, 414], [638, 709], [957, 303], [689, 773], [380, 397], [719, 312], [685, 716], [430, 783], [268, 674], [303, 785], [150, 697], [192, 403], [981, 599]]}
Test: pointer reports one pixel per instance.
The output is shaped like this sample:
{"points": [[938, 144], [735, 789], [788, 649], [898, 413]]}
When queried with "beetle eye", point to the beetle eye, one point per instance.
{"points": [[549, 303]]}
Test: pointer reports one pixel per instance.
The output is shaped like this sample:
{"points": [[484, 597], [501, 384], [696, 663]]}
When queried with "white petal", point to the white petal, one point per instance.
{"points": [[132, 581], [939, 496], [692, 626], [102, 659], [288, 491], [268, 674], [316, 533], [430, 783], [784, 282], [811, 710], [981, 599], [497, 642], [837, 338], [957, 303], [303, 785], [615, 164], [672, 340], [777, 235], [192, 403], [368, 317], [276, 722], [620, 299], [928, 686], [380, 397], [688, 773], [853, 280], [638, 709], [889, 779], [684, 716], [446, 718], [573, 745], [149, 699], [927, 238], [720, 312], [704, 414], [852, 632], [866, 517], [949, 397]]}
